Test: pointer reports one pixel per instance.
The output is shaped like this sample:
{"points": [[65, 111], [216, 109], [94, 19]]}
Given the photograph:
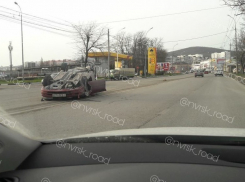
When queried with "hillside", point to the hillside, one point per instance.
{"points": [[206, 51]]}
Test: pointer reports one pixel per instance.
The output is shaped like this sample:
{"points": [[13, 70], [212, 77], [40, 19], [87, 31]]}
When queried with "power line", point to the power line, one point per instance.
{"points": [[231, 22], [36, 17], [156, 16], [38, 24], [196, 37], [32, 19], [16, 21], [122, 20]]}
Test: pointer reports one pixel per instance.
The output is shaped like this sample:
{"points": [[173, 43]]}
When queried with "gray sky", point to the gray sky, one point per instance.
{"points": [[39, 43]]}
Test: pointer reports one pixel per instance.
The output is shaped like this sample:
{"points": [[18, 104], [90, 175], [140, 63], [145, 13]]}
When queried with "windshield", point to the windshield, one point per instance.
{"points": [[171, 63]]}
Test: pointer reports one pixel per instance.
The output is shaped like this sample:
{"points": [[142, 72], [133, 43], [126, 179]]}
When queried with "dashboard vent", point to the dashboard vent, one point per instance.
{"points": [[13, 179]]}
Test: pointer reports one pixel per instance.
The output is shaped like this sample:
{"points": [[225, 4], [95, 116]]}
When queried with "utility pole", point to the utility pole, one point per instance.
{"points": [[173, 57], [108, 53], [230, 54], [21, 43], [118, 44], [236, 44], [10, 57], [236, 51]]}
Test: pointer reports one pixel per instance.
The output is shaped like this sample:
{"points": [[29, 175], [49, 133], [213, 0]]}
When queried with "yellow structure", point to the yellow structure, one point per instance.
{"points": [[141, 72], [113, 57], [152, 60]]}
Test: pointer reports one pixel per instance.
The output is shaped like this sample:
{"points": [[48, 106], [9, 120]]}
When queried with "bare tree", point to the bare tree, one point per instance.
{"points": [[241, 49], [89, 38], [239, 4], [118, 43], [139, 48], [136, 45], [128, 44], [161, 52]]}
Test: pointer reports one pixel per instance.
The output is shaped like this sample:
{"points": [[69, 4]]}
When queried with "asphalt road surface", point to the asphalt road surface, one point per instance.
{"points": [[177, 101]]}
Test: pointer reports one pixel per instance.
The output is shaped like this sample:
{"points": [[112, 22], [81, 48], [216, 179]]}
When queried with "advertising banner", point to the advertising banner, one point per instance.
{"points": [[166, 66], [152, 60], [220, 61]]}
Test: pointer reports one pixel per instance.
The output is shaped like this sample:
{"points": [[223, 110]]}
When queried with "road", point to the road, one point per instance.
{"points": [[177, 101]]}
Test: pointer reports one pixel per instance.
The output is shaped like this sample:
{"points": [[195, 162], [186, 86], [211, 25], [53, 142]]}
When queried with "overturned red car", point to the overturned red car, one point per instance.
{"points": [[74, 83]]}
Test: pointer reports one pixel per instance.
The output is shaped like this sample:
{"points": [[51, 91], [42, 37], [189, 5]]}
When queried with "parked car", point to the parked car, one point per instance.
{"points": [[199, 73]]}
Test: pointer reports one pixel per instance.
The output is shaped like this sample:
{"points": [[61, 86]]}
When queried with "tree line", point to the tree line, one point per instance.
{"points": [[92, 37], [240, 54]]}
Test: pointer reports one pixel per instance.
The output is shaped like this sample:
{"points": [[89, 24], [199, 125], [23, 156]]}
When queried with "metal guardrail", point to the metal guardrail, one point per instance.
{"points": [[235, 77]]}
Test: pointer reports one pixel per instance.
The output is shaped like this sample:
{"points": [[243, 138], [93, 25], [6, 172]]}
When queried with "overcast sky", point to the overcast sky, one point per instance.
{"points": [[39, 43]]}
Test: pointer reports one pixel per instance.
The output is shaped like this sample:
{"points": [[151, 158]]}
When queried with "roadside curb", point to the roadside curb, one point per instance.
{"points": [[235, 77]]}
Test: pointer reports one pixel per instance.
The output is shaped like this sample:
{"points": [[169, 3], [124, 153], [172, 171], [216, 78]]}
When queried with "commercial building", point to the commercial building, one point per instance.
{"points": [[30, 64], [102, 65]]}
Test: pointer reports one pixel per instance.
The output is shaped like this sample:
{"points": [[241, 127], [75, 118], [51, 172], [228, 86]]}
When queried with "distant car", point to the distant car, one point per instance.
{"points": [[187, 72], [191, 71], [199, 73], [206, 72], [218, 72]]}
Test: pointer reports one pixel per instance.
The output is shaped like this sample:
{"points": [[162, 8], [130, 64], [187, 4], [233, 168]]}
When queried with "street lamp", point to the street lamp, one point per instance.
{"points": [[10, 57], [118, 45], [230, 51], [21, 43], [236, 43], [173, 57], [146, 51]]}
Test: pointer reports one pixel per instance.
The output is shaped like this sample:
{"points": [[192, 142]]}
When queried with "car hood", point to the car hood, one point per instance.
{"points": [[183, 131]]}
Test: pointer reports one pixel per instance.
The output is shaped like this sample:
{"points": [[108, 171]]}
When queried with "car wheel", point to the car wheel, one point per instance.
{"points": [[221, 75], [47, 80]]}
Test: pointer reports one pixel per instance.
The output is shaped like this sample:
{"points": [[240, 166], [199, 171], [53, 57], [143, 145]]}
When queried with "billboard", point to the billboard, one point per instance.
{"points": [[159, 67], [220, 61], [162, 66], [166, 66], [152, 60]]}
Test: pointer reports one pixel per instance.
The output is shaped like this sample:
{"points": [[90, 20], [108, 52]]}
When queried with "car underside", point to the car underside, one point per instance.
{"points": [[77, 82]]}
